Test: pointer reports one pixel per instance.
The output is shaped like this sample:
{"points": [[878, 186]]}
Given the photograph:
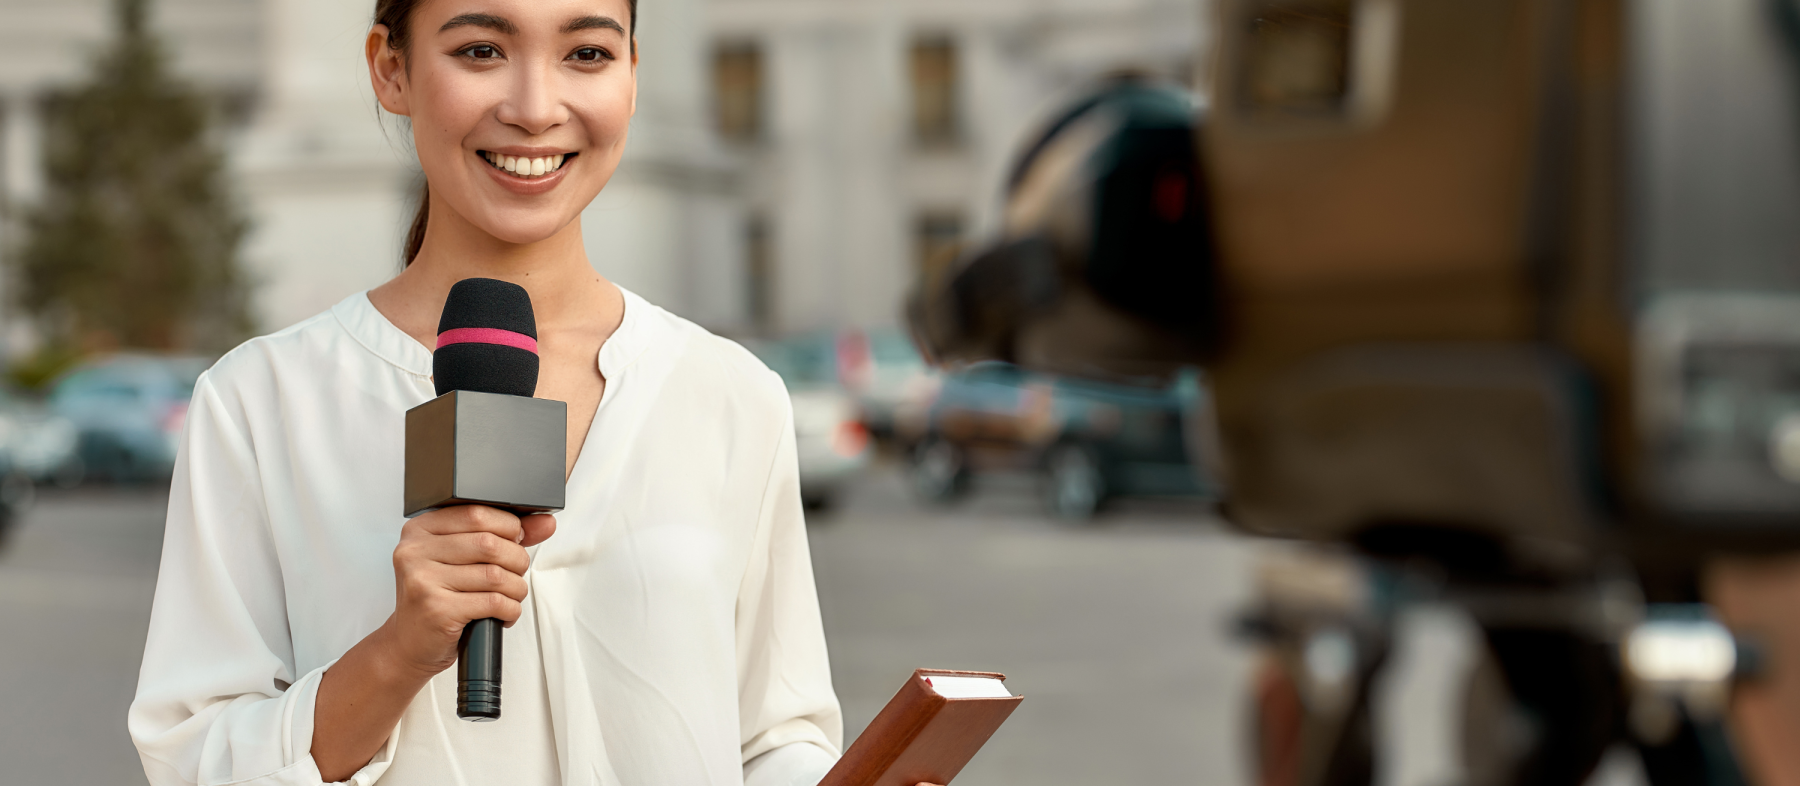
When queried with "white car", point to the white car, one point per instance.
{"points": [[833, 444], [37, 444], [35, 447]]}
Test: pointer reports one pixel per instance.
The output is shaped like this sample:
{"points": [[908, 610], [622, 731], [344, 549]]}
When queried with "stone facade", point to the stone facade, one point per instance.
{"points": [[850, 197], [816, 219]]}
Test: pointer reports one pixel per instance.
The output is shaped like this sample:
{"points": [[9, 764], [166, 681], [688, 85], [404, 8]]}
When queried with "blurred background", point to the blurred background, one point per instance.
{"points": [[1225, 527]]}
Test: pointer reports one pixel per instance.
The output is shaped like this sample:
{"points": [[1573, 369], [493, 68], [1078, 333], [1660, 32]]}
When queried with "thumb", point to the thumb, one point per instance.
{"points": [[538, 528]]}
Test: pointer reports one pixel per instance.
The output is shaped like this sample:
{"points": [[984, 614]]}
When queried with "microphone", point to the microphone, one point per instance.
{"points": [[485, 441]]}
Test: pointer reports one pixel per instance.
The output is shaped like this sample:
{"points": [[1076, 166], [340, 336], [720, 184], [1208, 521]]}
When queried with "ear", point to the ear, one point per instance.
{"points": [[634, 81], [387, 71]]}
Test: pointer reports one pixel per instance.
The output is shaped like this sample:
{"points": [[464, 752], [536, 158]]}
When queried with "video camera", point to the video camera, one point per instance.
{"points": [[1408, 265], [1492, 290]]}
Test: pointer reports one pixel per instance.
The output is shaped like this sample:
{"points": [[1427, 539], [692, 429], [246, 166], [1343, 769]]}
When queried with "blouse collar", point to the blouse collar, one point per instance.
{"points": [[366, 324], [372, 330], [631, 338]]}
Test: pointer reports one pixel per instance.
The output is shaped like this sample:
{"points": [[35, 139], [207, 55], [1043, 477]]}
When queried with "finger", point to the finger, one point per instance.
{"points": [[470, 606], [475, 548], [537, 528], [483, 578], [470, 518]]}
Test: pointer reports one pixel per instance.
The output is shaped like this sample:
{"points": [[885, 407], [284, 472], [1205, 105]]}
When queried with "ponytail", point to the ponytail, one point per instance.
{"points": [[415, 237]]}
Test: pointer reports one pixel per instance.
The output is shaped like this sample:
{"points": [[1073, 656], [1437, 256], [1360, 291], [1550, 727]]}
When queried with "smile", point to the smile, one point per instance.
{"points": [[520, 166]]}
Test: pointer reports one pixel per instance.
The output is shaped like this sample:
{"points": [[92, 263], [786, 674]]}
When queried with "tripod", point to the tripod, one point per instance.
{"points": [[1562, 673]]}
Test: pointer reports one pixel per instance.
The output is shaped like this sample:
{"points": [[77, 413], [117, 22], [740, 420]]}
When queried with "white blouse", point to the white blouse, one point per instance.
{"points": [[672, 633]]}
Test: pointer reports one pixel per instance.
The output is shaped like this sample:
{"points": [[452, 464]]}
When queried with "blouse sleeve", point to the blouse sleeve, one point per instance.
{"points": [[219, 700], [792, 727]]}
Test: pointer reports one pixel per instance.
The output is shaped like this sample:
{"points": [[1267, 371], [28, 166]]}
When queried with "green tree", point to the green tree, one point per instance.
{"points": [[135, 241]]}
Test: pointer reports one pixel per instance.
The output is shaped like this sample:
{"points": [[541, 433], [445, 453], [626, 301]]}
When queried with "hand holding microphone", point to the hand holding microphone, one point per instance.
{"points": [[484, 461], [456, 565], [480, 456]]}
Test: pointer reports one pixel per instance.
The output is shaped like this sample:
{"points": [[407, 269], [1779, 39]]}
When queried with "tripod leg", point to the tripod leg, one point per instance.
{"points": [[1302, 743], [1697, 754], [1566, 686], [1279, 724]]}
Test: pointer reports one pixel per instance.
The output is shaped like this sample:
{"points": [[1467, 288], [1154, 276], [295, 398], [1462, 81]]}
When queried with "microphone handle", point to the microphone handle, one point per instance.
{"points": [[478, 671]]}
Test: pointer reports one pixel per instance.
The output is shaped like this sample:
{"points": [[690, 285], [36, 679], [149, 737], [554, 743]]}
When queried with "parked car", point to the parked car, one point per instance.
{"points": [[1090, 441], [129, 410], [882, 369], [36, 444], [832, 443], [36, 447]]}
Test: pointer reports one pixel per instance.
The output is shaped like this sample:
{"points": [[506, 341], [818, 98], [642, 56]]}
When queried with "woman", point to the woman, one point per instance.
{"points": [[667, 634]]}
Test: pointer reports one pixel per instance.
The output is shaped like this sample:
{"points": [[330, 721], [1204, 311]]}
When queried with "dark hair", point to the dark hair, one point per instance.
{"points": [[397, 16]]}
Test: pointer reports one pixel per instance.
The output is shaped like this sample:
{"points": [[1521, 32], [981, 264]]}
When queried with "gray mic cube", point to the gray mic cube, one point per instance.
{"points": [[466, 448]]}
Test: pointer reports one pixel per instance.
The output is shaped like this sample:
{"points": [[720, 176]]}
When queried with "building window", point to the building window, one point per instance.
{"points": [[934, 77], [759, 263], [738, 91], [937, 239]]}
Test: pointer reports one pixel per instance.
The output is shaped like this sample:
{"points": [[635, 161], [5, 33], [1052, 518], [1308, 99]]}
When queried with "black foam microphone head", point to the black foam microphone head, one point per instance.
{"points": [[487, 340]]}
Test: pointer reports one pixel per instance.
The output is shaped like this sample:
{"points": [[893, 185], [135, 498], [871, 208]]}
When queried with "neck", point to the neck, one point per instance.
{"points": [[566, 292]]}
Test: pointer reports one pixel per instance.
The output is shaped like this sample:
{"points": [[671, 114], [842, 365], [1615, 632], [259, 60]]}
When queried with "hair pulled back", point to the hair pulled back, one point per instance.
{"points": [[397, 16]]}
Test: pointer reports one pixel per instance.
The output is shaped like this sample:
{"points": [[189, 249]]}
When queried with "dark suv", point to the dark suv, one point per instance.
{"points": [[1089, 440]]}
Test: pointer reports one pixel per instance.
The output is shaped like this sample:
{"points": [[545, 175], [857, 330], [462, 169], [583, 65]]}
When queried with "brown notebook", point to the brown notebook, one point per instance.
{"points": [[928, 731]]}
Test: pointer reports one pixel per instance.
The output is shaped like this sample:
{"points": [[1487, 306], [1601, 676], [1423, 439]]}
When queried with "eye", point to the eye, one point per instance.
{"points": [[481, 52], [590, 54]]}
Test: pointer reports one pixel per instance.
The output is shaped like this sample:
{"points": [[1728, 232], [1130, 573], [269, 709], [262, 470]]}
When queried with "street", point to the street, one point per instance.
{"points": [[1113, 631], [75, 586]]}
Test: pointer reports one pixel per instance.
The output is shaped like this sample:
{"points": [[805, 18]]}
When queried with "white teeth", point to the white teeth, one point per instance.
{"points": [[526, 167]]}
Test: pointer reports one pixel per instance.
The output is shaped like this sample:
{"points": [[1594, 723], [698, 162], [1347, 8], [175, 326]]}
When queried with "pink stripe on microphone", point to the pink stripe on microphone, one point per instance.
{"points": [[505, 338]]}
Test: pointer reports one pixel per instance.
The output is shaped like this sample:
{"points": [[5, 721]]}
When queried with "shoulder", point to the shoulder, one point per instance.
{"points": [[304, 353], [699, 357]]}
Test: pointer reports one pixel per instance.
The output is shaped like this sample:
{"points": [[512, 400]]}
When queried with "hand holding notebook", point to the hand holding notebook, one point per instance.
{"points": [[928, 731]]}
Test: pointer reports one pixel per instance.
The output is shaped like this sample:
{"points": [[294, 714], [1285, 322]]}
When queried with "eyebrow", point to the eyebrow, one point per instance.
{"points": [[495, 23], [593, 23]]}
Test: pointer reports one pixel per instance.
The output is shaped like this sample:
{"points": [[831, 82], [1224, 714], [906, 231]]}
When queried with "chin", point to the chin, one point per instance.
{"points": [[526, 228]]}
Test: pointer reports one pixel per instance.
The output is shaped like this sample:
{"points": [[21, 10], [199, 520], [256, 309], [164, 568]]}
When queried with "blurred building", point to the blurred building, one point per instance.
{"points": [[872, 136], [793, 164], [1716, 128]]}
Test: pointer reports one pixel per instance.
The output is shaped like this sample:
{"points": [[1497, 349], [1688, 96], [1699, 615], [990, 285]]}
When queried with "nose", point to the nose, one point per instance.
{"points": [[535, 102]]}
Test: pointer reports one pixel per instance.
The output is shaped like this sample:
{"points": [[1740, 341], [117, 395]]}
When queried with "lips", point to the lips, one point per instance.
{"points": [[520, 179]]}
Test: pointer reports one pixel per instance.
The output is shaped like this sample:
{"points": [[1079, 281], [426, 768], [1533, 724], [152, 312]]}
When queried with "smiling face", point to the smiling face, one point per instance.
{"points": [[519, 108]]}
